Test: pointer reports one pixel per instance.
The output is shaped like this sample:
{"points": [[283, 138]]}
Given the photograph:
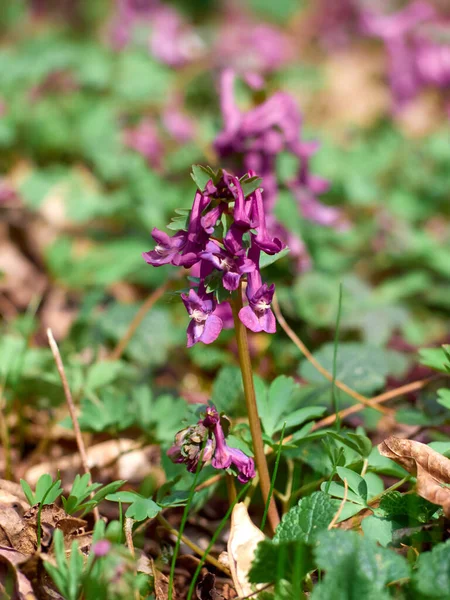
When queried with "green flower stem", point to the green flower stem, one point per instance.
{"points": [[252, 410]]}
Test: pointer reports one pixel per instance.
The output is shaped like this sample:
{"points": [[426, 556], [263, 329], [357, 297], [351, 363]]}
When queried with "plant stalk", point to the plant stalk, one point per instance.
{"points": [[252, 410]]}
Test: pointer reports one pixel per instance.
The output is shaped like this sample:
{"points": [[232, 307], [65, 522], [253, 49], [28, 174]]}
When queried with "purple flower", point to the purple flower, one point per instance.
{"points": [[225, 457], [258, 315], [232, 265], [204, 326], [101, 548], [263, 240], [166, 249], [188, 447]]}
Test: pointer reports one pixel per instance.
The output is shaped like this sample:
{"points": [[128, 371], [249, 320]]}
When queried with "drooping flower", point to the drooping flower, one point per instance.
{"points": [[225, 457], [258, 315], [204, 326], [191, 445], [166, 249]]}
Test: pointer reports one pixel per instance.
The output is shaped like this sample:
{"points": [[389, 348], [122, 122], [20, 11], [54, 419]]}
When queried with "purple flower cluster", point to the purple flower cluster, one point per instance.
{"points": [[417, 39], [223, 240], [206, 441], [253, 140]]}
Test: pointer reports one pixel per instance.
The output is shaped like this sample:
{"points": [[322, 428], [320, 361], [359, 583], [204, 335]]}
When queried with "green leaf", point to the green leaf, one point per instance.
{"points": [[275, 561], [435, 358], [267, 259], [304, 521], [250, 184], [227, 389], [44, 484], [275, 402], [28, 492], [201, 175], [355, 482], [103, 373], [124, 496], [379, 529], [357, 442], [143, 508], [431, 578], [355, 567], [363, 368], [411, 507]]}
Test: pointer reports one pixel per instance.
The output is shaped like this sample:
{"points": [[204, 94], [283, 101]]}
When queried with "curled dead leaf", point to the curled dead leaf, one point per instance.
{"points": [[431, 468], [244, 537]]}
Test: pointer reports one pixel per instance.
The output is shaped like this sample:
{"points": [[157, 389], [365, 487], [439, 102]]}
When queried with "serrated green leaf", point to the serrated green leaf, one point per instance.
{"points": [[302, 522]]}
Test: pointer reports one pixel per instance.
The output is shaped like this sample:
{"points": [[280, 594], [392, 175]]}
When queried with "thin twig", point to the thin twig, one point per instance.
{"points": [[384, 397], [71, 406], [209, 482], [341, 507], [140, 315], [192, 545], [304, 350]]}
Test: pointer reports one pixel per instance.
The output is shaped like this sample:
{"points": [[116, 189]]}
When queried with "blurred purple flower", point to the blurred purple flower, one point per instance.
{"points": [[418, 46], [101, 548], [179, 125], [204, 326], [249, 47], [173, 42], [144, 138], [225, 457]]}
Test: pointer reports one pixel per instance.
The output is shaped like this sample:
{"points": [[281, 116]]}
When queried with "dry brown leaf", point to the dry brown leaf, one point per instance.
{"points": [[244, 537], [431, 468], [9, 559]]}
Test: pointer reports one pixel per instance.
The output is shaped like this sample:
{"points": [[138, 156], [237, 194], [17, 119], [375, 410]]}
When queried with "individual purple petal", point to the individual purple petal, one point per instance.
{"points": [[213, 327]]}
